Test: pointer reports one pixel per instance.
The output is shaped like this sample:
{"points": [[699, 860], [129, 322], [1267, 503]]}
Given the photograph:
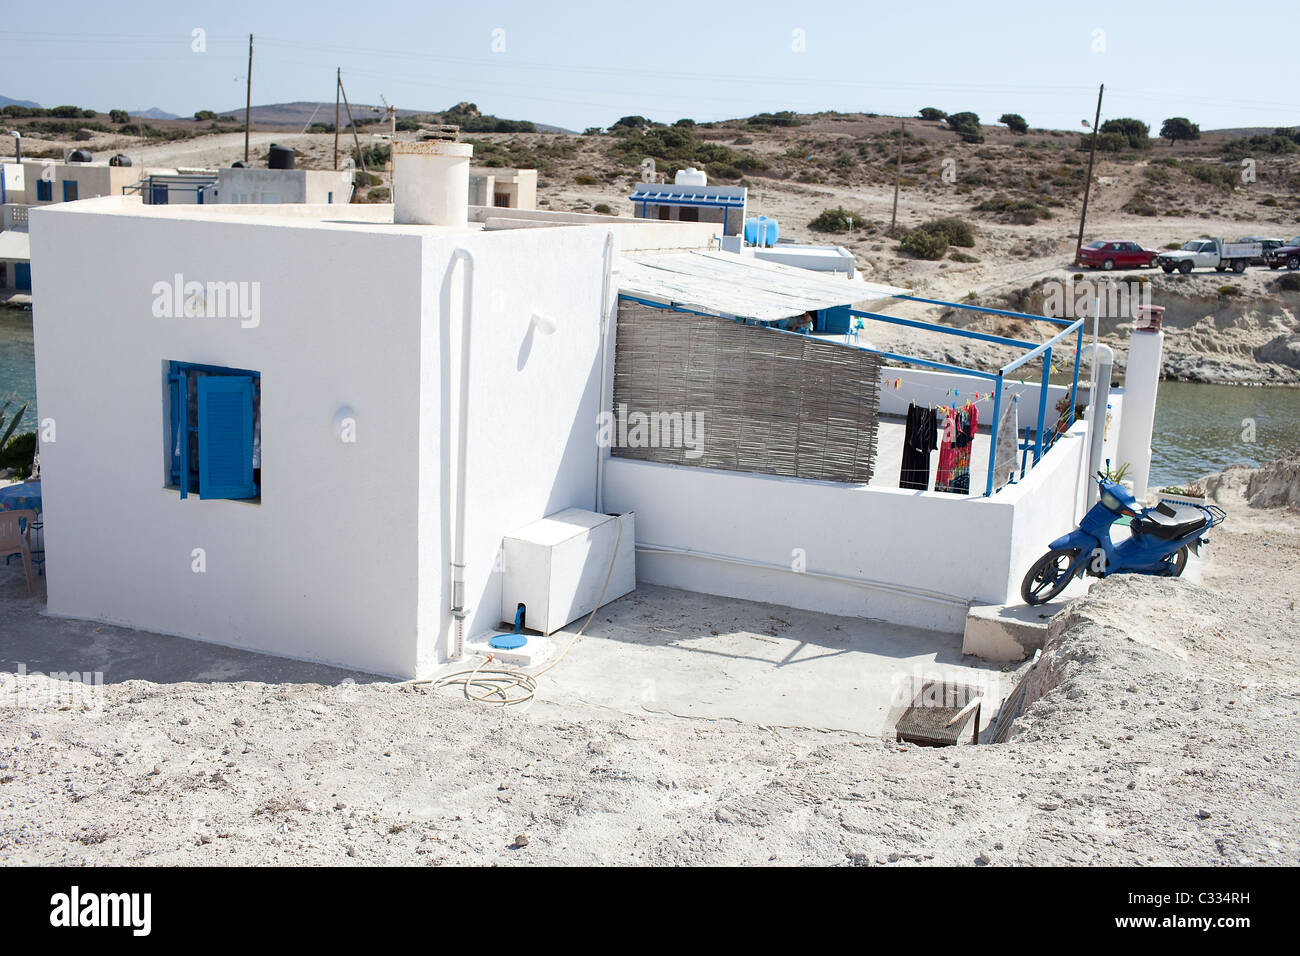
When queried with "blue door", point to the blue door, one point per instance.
{"points": [[23, 276], [158, 194]]}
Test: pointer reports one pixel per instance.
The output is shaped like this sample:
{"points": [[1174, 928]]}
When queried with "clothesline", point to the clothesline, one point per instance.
{"points": [[896, 383]]}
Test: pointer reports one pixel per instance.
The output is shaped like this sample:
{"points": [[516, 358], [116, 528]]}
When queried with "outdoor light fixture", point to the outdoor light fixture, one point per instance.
{"points": [[543, 323], [18, 145]]}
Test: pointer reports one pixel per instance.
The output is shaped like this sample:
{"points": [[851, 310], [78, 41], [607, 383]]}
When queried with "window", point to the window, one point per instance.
{"points": [[688, 214], [214, 434], [329, 198], [69, 190], [44, 190], [664, 212], [501, 199]]}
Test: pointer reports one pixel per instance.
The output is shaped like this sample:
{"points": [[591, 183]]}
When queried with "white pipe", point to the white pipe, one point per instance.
{"points": [[462, 451], [604, 358], [921, 593], [1103, 360]]}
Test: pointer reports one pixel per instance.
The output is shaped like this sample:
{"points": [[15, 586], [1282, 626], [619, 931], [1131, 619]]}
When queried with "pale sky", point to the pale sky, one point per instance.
{"points": [[580, 63]]}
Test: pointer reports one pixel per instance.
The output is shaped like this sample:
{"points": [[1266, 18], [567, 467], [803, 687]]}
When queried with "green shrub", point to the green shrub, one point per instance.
{"points": [[834, 220], [967, 126], [375, 156], [1229, 290], [1014, 122], [1289, 282], [119, 116], [1022, 211], [1179, 127], [955, 231], [930, 113], [1137, 134], [602, 208], [361, 179], [21, 449], [923, 245], [583, 179], [1222, 177], [379, 194], [957, 255]]}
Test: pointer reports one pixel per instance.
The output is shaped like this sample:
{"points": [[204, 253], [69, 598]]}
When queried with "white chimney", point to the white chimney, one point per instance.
{"points": [[431, 183]]}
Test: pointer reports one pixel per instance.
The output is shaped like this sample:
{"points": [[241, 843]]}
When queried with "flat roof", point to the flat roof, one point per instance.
{"points": [[736, 286], [15, 244], [733, 196]]}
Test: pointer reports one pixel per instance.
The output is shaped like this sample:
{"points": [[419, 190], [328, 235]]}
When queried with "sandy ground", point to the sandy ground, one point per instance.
{"points": [[1163, 730]]}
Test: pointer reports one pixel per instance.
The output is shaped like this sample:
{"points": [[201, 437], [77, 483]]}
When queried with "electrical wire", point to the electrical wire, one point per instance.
{"points": [[510, 687]]}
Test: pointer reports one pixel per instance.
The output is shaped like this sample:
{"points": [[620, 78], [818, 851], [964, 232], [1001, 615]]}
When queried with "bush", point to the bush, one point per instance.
{"points": [[957, 256], [361, 179], [583, 179], [1289, 282], [1022, 211], [1014, 122], [1222, 177], [834, 220], [21, 449], [592, 131], [202, 115], [1229, 290], [967, 126], [119, 116], [930, 113], [955, 232], [1137, 134], [923, 245], [375, 156], [602, 208], [1179, 127]]}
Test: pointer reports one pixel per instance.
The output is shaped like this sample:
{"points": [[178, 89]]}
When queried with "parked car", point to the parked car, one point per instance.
{"points": [[1268, 244], [1114, 254], [1210, 254], [1287, 254]]}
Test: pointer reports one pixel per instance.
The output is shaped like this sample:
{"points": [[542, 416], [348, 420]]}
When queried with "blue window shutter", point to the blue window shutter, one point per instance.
{"points": [[226, 437], [176, 436]]}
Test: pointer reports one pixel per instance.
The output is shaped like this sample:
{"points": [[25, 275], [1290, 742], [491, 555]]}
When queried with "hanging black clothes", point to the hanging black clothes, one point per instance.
{"points": [[920, 438]]}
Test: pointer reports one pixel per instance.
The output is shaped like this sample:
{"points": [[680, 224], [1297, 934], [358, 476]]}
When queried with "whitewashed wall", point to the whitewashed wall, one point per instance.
{"points": [[324, 568], [533, 403]]}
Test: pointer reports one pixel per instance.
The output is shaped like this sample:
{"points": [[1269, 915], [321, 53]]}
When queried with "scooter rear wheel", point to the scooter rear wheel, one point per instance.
{"points": [[1180, 561], [1049, 576]]}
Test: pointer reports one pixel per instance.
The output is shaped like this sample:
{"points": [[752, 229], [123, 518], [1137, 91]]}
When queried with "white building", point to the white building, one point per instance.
{"points": [[264, 452], [318, 187]]}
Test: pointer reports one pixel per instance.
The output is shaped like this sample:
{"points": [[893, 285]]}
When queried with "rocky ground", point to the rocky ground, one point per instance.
{"points": [[1161, 728]]}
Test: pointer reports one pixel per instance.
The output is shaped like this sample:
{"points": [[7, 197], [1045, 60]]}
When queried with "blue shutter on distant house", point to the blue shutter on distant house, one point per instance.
{"points": [[226, 437]]}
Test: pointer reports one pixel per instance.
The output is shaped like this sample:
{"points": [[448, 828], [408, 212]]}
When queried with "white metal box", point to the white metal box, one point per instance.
{"points": [[556, 567]]}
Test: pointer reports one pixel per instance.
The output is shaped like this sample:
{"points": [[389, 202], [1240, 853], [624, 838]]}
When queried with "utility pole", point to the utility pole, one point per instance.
{"points": [[351, 122], [338, 85], [1087, 186], [248, 98], [898, 178]]}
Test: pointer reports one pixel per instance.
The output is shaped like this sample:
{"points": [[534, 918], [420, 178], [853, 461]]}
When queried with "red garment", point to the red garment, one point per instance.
{"points": [[954, 454]]}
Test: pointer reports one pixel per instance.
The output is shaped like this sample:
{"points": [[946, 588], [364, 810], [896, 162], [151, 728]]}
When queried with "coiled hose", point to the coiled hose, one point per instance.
{"points": [[509, 687]]}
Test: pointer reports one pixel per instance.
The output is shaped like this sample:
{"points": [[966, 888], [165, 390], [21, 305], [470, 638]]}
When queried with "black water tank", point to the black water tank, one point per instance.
{"points": [[121, 159], [80, 156], [239, 164], [281, 157]]}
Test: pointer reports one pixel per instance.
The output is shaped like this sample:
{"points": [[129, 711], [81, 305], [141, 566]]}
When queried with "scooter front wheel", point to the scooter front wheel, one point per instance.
{"points": [[1049, 576], [1180, 561]]}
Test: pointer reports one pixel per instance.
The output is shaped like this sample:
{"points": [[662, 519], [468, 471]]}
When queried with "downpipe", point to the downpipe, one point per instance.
{"points": [[608, 258], [457, 650]]}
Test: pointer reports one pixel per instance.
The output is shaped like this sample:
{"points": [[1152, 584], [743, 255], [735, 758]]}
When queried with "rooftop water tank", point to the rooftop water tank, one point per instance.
{"points": [[761, 231], [690, 176], [80, 156], [281, 157], [121, 159]]}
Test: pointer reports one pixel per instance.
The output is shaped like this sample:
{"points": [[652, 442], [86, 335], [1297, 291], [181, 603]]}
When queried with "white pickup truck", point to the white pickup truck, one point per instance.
{"points": [[1210, 254]]}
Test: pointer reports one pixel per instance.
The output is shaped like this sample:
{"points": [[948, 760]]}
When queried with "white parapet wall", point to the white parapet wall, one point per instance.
{"points": [[911, 558]]}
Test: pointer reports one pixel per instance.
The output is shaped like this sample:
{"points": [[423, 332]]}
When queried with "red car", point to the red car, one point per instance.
{"points": [[1112, 254]]}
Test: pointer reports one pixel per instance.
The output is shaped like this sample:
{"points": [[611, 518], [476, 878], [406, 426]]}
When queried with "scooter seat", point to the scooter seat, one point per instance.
{"points": [[1169, 523]]}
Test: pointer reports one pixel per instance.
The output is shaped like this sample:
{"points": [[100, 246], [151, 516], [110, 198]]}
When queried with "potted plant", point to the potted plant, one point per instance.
{"points": [[1191, 494]]}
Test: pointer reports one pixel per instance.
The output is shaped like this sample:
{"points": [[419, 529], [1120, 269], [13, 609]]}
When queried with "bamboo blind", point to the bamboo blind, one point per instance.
{"points": [[770, 402]]}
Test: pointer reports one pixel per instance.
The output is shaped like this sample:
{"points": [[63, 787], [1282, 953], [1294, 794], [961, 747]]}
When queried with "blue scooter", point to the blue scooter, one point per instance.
{"points": [[1160, 539]]}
